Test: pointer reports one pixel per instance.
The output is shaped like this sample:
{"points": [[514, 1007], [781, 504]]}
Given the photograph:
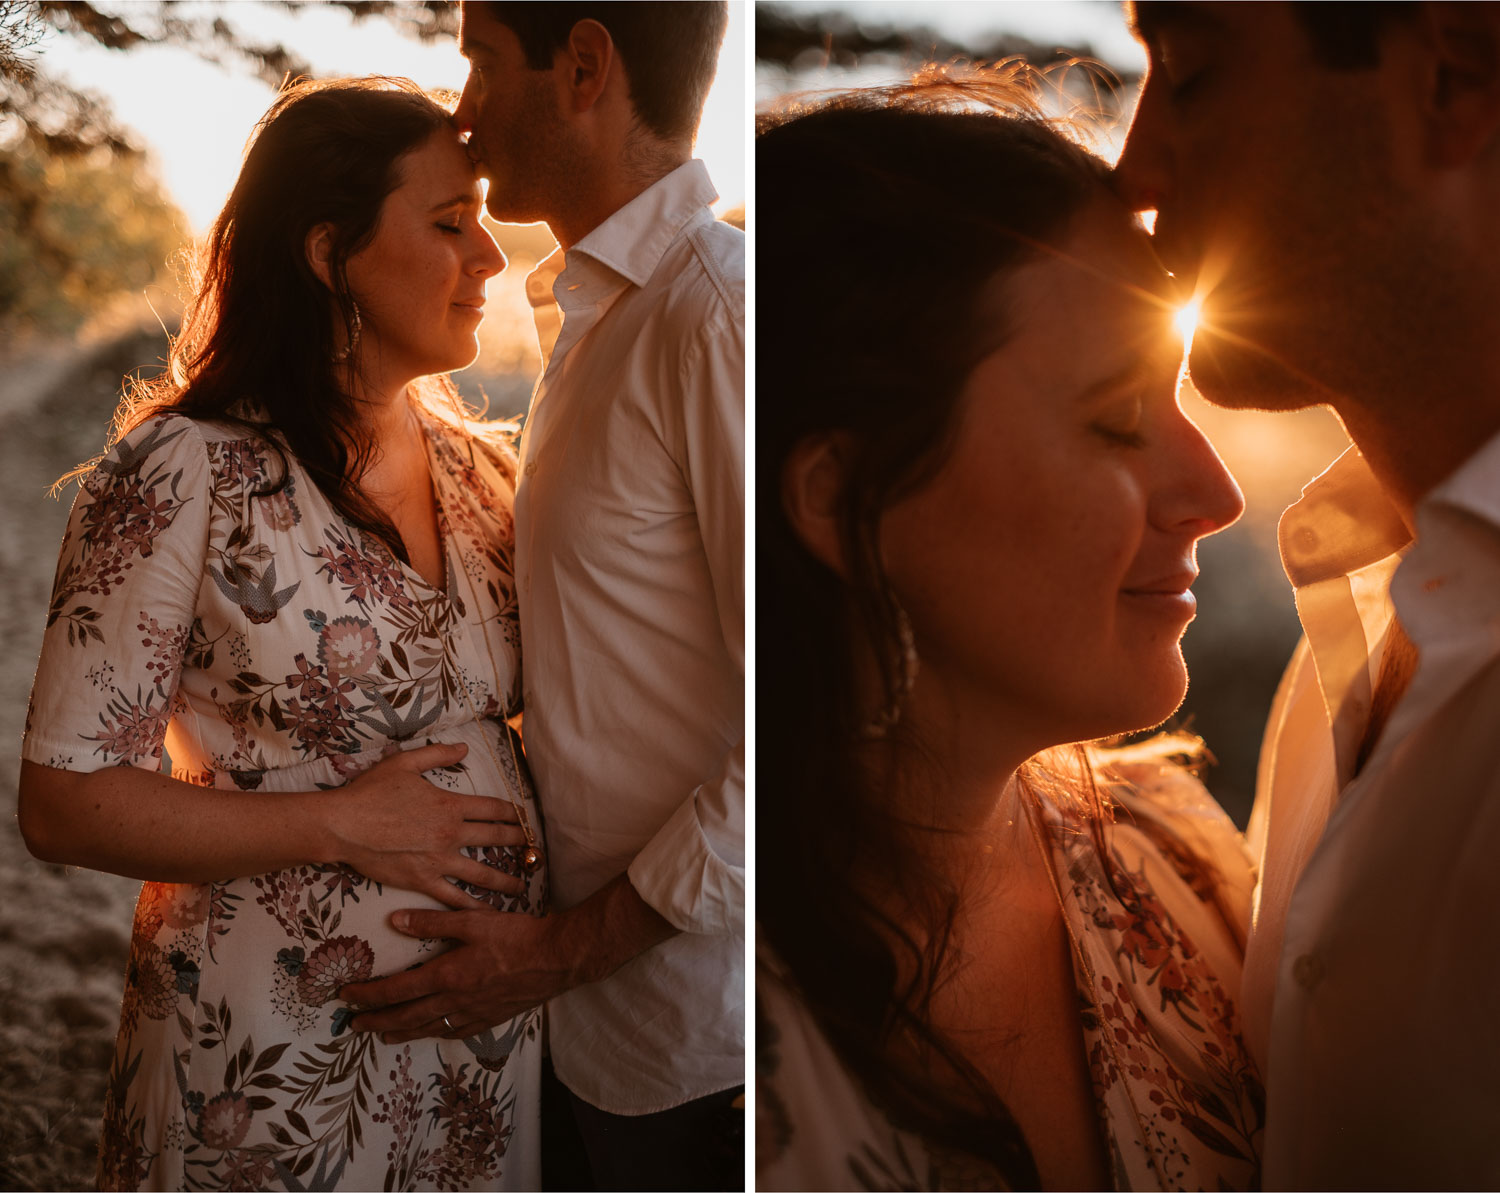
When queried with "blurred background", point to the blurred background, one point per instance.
{"points": [[1247, 623], [122, 125]]}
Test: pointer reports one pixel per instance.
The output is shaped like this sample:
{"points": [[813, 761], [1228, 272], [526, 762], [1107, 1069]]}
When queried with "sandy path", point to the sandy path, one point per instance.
{"points": [[63, 933]]}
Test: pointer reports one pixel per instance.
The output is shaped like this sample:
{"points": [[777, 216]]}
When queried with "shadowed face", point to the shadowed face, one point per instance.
{"points": [[420, 281], [1045, 567], [517, 135], [1275, 180]]}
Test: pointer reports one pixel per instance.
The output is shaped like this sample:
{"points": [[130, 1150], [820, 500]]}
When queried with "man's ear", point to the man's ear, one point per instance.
{"points": [[813, 480], [319, 249], [1463, 80], [590, 60]]}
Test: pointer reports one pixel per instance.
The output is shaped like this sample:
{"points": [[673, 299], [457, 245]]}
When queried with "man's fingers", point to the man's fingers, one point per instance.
{"points": [[399, 987], [421, 1017], [434, 925]]}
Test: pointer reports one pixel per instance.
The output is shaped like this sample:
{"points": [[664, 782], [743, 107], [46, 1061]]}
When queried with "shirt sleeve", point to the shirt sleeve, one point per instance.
{"points": [[693, 870], [123, 604]]}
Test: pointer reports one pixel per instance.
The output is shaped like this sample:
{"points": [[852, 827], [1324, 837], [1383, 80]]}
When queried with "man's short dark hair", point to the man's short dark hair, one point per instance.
{"points": [[1347, 36], [670, 50]]}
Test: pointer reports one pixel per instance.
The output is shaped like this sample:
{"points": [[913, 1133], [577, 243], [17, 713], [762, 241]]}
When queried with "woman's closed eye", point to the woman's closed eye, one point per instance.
{"points": [[1120, 424]]}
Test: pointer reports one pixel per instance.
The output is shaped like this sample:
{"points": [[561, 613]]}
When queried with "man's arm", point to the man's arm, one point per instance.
{"points": [[505, 963]]}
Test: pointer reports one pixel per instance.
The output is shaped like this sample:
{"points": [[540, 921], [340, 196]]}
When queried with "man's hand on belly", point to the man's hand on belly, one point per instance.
{"points": [[504, 963]]}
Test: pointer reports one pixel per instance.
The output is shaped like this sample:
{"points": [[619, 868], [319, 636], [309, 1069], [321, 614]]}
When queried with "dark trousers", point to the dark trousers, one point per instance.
{"points": [[698, 1145]]}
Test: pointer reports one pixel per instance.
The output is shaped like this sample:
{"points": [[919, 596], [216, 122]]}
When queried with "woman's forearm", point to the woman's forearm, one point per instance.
{"points": [[143, 824], [390, 824]]}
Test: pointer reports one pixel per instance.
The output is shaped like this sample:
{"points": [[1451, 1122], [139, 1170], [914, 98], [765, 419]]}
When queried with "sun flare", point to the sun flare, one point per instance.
{"points": [[1186, 321]]}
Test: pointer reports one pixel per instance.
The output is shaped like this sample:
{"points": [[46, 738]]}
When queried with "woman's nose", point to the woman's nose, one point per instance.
{"points": [[488, 260], [1197, 494]]}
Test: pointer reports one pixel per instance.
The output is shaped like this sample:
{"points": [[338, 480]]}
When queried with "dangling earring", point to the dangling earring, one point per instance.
{"points": [[347, 350], [907, 665]]}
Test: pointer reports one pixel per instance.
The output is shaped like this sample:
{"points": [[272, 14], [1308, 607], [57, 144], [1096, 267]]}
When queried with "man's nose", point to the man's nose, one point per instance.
{"points": [[1143, 175], [463, 115]]}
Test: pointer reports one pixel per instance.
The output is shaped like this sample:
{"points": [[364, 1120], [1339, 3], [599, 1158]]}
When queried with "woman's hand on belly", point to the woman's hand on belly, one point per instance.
{"points": [[397, 828]]}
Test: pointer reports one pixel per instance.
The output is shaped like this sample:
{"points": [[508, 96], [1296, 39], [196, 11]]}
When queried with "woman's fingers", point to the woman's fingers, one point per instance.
{"points": [[482, 807], [477, 833], [455, 897], [488, 878], [424, 758]]}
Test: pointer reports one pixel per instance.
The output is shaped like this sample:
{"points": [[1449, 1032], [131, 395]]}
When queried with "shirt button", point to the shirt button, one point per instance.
{"points": [[1307, 970], [530, 468]]}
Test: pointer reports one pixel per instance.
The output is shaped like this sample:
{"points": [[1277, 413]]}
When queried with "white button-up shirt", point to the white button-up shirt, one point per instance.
{"points": [[630, 568], [1372, 977]]}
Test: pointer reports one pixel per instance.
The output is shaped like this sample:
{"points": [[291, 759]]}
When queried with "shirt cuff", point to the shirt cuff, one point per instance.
{"points": [[690, 886]]}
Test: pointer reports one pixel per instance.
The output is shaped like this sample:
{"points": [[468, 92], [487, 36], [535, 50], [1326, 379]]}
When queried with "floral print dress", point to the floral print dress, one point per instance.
{"points": [[270, 646], [1157, 957]]}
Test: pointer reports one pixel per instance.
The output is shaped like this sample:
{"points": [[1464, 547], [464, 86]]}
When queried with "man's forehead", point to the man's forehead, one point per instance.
{"points": [[473, 26], [1149, 18]]}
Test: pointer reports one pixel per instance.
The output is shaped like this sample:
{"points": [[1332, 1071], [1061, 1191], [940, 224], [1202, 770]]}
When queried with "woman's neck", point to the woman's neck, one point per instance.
{"points": [[384, 404]]}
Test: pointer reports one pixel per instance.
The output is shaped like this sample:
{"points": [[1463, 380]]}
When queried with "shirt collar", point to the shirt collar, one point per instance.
{"points": [[633, 241], [1475, 487], [1343, 522]]}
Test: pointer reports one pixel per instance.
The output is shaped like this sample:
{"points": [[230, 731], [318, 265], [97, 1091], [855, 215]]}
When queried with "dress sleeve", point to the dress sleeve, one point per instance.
{"points": [[123, 603], [693, 870]]}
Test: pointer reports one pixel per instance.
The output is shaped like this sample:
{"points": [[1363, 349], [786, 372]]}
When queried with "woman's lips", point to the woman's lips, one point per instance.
{"points": [[1168, 594]]}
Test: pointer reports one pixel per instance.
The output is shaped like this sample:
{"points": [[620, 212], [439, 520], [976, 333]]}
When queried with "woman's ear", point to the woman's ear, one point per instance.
{"points": [[812, 495], [319, 250]]}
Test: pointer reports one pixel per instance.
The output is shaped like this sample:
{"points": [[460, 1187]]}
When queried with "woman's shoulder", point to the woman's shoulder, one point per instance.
{"points": [[815, 1128], [1162, 805], [461, 446], [162, 442]]}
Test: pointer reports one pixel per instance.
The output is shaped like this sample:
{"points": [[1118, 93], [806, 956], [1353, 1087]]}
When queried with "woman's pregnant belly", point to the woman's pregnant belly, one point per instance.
{"points": [[290, 939]]}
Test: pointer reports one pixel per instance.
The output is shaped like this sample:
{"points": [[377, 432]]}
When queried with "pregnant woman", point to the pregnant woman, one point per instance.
{"points": [[293, 571], [995, 954]]}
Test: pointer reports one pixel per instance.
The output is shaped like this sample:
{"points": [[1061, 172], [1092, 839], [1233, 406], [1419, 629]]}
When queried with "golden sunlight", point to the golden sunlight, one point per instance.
{"points": [[1186, 321]]}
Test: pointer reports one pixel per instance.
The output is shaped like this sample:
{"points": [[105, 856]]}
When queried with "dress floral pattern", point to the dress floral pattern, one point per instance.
{"points": [[270, 646], [1158, 929]]}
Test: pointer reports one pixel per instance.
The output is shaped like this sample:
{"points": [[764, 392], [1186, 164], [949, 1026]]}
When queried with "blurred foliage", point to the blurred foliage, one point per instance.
{"points": [[76, 229], [804, 37], [81, 218]]}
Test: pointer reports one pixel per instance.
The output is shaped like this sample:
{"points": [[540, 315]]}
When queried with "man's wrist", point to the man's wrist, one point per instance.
{"points": [[609, 928]]}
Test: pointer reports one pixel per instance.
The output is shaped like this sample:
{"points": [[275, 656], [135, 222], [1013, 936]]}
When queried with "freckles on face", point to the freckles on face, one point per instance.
{"points": [[1070, 481], [420, 281]]}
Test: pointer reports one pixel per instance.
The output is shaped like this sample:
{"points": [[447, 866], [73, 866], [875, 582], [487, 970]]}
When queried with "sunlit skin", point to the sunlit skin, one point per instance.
{"points": [[1260, 165], [1046, 568], [1338, 224], [561, 144], [519, 140], [420, 282]]}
